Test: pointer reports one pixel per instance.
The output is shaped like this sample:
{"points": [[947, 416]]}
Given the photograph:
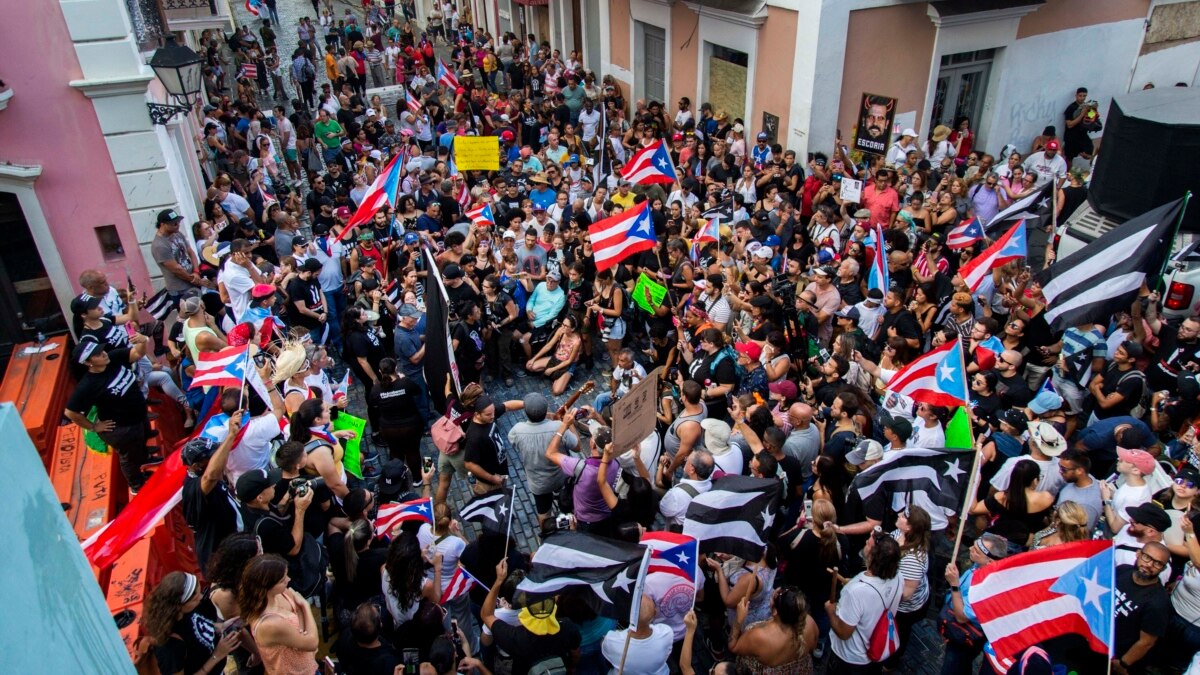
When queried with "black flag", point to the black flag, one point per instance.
{"points": [[439, 355], [933, 479], [734, 516]]}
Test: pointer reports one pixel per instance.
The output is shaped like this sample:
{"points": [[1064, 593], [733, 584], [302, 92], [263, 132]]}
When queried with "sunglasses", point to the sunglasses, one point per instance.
{"points": [[1185, 482]]}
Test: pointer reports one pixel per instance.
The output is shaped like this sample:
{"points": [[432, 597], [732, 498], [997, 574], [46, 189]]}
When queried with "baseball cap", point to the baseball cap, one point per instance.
{"points": [[168, 216], [899, 426], [909, 132], [554, 276], [411, 238], [772, 240], [850, 313], [86, 349], [574, 159], [764, 252], [299, 241], [409, 312], [254, 482], [862, 214], [536, 406], [762, 136], [1133, 348], [867, 450], [823, 271], [785, 388], [262, 291], [1047, 439], [1150, 515], [311, 265], [366, 235], [83, 303], [1140, 459], [1045, 401], [750, 349], [190, 306], [1052, 145], [342, 212], [1015, 419], [394, 476], [508, 234], [452, 271], [197, 449]]}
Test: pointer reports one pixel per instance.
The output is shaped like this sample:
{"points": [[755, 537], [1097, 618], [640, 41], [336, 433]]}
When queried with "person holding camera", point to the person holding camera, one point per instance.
{"points": [[207, 505], [280, 527]]}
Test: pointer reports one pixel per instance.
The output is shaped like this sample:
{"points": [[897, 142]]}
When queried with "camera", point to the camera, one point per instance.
{"points": [[783, 287], [563, 522], [299, 486]]}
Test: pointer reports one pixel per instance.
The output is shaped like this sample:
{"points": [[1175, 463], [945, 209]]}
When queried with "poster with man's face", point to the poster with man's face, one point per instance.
{"points": [[875, 124]]}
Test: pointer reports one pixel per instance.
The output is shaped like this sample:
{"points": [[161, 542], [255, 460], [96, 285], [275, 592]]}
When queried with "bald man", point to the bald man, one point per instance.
{"points": [[649, 645], [804, 443]]}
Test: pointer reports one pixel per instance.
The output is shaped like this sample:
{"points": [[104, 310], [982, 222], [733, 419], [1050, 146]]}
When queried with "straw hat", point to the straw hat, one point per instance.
{"points": [[291, 360], [940, 133]]}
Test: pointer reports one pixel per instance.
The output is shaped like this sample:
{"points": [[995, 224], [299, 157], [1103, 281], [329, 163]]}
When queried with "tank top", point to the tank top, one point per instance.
{"points": [[190, 334], [671, 440], [281, 659]]}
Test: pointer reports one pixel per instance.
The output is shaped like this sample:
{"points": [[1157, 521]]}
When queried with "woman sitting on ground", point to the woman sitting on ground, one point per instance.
{"points": [[556, 359]]}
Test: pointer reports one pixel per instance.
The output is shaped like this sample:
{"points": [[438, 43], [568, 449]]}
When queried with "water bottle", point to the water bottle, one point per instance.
{"points": [[470, 478], [40, 337]]}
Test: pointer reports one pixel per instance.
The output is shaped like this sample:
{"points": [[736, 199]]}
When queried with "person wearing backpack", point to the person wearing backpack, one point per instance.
{"points": [[715, 368], [862, 622], [541, 644], [957, 621], [1121, 389]]}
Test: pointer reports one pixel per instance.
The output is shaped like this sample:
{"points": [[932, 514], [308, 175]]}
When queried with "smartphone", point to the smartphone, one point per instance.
{"points": [[411, 659], [580, 414], [427, 462]]}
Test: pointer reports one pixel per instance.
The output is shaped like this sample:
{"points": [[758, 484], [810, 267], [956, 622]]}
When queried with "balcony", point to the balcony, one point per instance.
{"points": [[184, 15]]}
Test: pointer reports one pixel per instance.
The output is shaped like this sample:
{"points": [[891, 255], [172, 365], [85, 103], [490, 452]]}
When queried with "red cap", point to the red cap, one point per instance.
{"points": [[785, 388], [1052, 145], [342, 212], [262, 290], [750, 349]]}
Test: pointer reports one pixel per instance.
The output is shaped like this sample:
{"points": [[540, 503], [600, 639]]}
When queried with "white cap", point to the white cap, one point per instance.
{"points": [[909, 132]]}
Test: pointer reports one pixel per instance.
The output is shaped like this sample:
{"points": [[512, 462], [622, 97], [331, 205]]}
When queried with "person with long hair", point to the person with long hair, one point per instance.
{"points": [[1069, 523], [557, 358], [830, 480], [410, 594], [444, 537], [225, 572], [362, 351], [913, 534], [400, 424], [184, 641], [280, 619], [781, 644], [310, 427], [813, 552], [1022, 502]]}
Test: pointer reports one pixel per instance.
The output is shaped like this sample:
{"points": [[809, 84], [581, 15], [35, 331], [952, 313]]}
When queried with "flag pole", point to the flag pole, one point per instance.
{"points": [[635, 608], [972, 486], [1159, 281], [512, 506], [245, 369]]}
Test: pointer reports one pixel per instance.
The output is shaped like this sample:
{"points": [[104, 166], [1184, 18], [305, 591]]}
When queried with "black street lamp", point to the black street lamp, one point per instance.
{"points": [[178, 68]]}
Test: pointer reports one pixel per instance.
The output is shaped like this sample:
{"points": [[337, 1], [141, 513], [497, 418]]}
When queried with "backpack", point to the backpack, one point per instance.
{"points": [[885, 640], [549, 666], [727, 352], [1139, 410], [308, 72], [447, 432]]}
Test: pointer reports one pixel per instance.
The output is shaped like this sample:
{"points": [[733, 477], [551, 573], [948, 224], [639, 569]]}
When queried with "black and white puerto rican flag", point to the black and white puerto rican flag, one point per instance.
{"points": [[159, 305], [1033, 207], [609, 567], [934, 479], [1105, 276], [734, 516], [490, 510]]}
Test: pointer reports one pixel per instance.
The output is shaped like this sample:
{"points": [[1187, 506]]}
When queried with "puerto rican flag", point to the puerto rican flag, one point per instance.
{"points": [[460, 584], [226, 368], [651, 164], [464, 194], [391, 515], [254, 7], [877, 272], [709, 231], [987, 352], [968, 232], [482, 216], [615, 239], [446, 76], [381, 193], [674, 554], [1032, 597], [938, 377], [343, 388], [393, 292], [414, 106], [1010, 247]]}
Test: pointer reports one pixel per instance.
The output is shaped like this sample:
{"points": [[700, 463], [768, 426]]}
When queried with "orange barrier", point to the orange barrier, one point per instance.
{"points": [[38, 382]]}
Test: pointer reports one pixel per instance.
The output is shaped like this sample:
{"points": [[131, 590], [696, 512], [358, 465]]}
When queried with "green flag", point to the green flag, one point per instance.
{"points": [[648, 294], [352, 459], [958, 431]]}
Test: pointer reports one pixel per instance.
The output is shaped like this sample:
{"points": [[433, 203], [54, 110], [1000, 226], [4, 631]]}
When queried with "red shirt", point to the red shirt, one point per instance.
{"points": [[882, 205]]}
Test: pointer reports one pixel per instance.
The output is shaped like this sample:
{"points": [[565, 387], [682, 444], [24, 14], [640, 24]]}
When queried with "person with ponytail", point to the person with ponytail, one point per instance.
{"points": [[781, 644], [280, 619], [913, 534], [811, 553], [185, 641], [395, 399], [445, 538], [310, 427], [356, 558]]}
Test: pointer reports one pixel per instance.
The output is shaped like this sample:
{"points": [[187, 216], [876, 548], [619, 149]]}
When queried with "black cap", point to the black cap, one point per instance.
{"points": [[452, 271], [311, 265], [197, 449], [1150, 515], [87, 348], [394, 477], [252, 483], [84, 303], [299, 241], [1015, 419], [168, 216]]}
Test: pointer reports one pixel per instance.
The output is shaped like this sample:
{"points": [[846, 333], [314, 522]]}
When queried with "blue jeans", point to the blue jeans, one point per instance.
{"points": [[423, 402], [603, 400], [337, 305]]}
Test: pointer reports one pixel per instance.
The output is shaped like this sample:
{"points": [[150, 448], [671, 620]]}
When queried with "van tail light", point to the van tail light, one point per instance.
{"points": [[1179, 295]]}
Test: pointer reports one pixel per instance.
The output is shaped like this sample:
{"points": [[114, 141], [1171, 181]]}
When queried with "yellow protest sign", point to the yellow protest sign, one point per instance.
{"points": [[477, 153]]}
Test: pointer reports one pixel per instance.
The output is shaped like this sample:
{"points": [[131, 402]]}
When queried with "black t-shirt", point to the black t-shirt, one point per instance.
{"points": [[470, 344], [851, 293], [528, 649], [308, 291], [192, 641], [396, 402], [483, 445], [1014, 391], [357, 660], [114, 391], [109, 334], [905, 323], [1138, 608], [1173, 355], [460, 295], [212, 517], [707, 374], [362, 344], [794, 470], [273, 530], [1131, 384]]}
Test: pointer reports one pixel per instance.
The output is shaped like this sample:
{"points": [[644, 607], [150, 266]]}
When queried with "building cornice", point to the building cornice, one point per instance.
{"points": [[19, 173], [754, 21], [985, 16], [116, 86]]}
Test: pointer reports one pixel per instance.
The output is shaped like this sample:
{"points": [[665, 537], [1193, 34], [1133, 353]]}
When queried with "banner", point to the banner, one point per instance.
{"points": [[477, 153], [352, 459], [648, 294], [875, 118]]}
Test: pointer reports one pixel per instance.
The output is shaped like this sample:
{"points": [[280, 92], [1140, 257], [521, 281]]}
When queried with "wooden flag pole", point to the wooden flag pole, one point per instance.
{"points": [[968, 500]]}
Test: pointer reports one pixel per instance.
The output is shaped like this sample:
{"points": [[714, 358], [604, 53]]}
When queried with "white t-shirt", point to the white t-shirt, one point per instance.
{"points": [[646, 656], [938, 152], [675, 502], [927, 437], [254, 450], [626, 379], [286, 128], [1052, 480], [330, 277], [868, 318], [1045, 168], [238, 284], [863, 602], [589, 123], [1128, 496], [451, 547]]}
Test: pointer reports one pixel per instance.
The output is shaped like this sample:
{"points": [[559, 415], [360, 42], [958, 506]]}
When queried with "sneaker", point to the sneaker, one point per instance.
{"points": [[819, 652]]}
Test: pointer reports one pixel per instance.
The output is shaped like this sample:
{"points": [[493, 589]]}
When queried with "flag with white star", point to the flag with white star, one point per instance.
{"points": [[1034, 208], [735, 516], [1029, 598], [934, 479], [606, 566], [490, 510], [937, 377], [651, 164], [391, 515]]}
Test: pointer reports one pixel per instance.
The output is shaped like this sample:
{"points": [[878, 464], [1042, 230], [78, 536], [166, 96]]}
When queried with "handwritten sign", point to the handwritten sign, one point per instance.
{"points": [[477, 153], [634, 415], [851, 190], [352, 458], [648, 294]]}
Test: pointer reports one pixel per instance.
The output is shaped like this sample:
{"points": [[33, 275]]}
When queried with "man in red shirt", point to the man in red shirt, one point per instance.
{"points": [[881, 199]]}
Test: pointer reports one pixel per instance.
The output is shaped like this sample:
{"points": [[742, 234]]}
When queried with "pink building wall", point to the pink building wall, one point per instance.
{"points": [[50, 124], [773, 76]]}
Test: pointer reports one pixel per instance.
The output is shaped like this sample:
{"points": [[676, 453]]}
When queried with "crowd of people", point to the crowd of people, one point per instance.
{"points": [[774, 355]]}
